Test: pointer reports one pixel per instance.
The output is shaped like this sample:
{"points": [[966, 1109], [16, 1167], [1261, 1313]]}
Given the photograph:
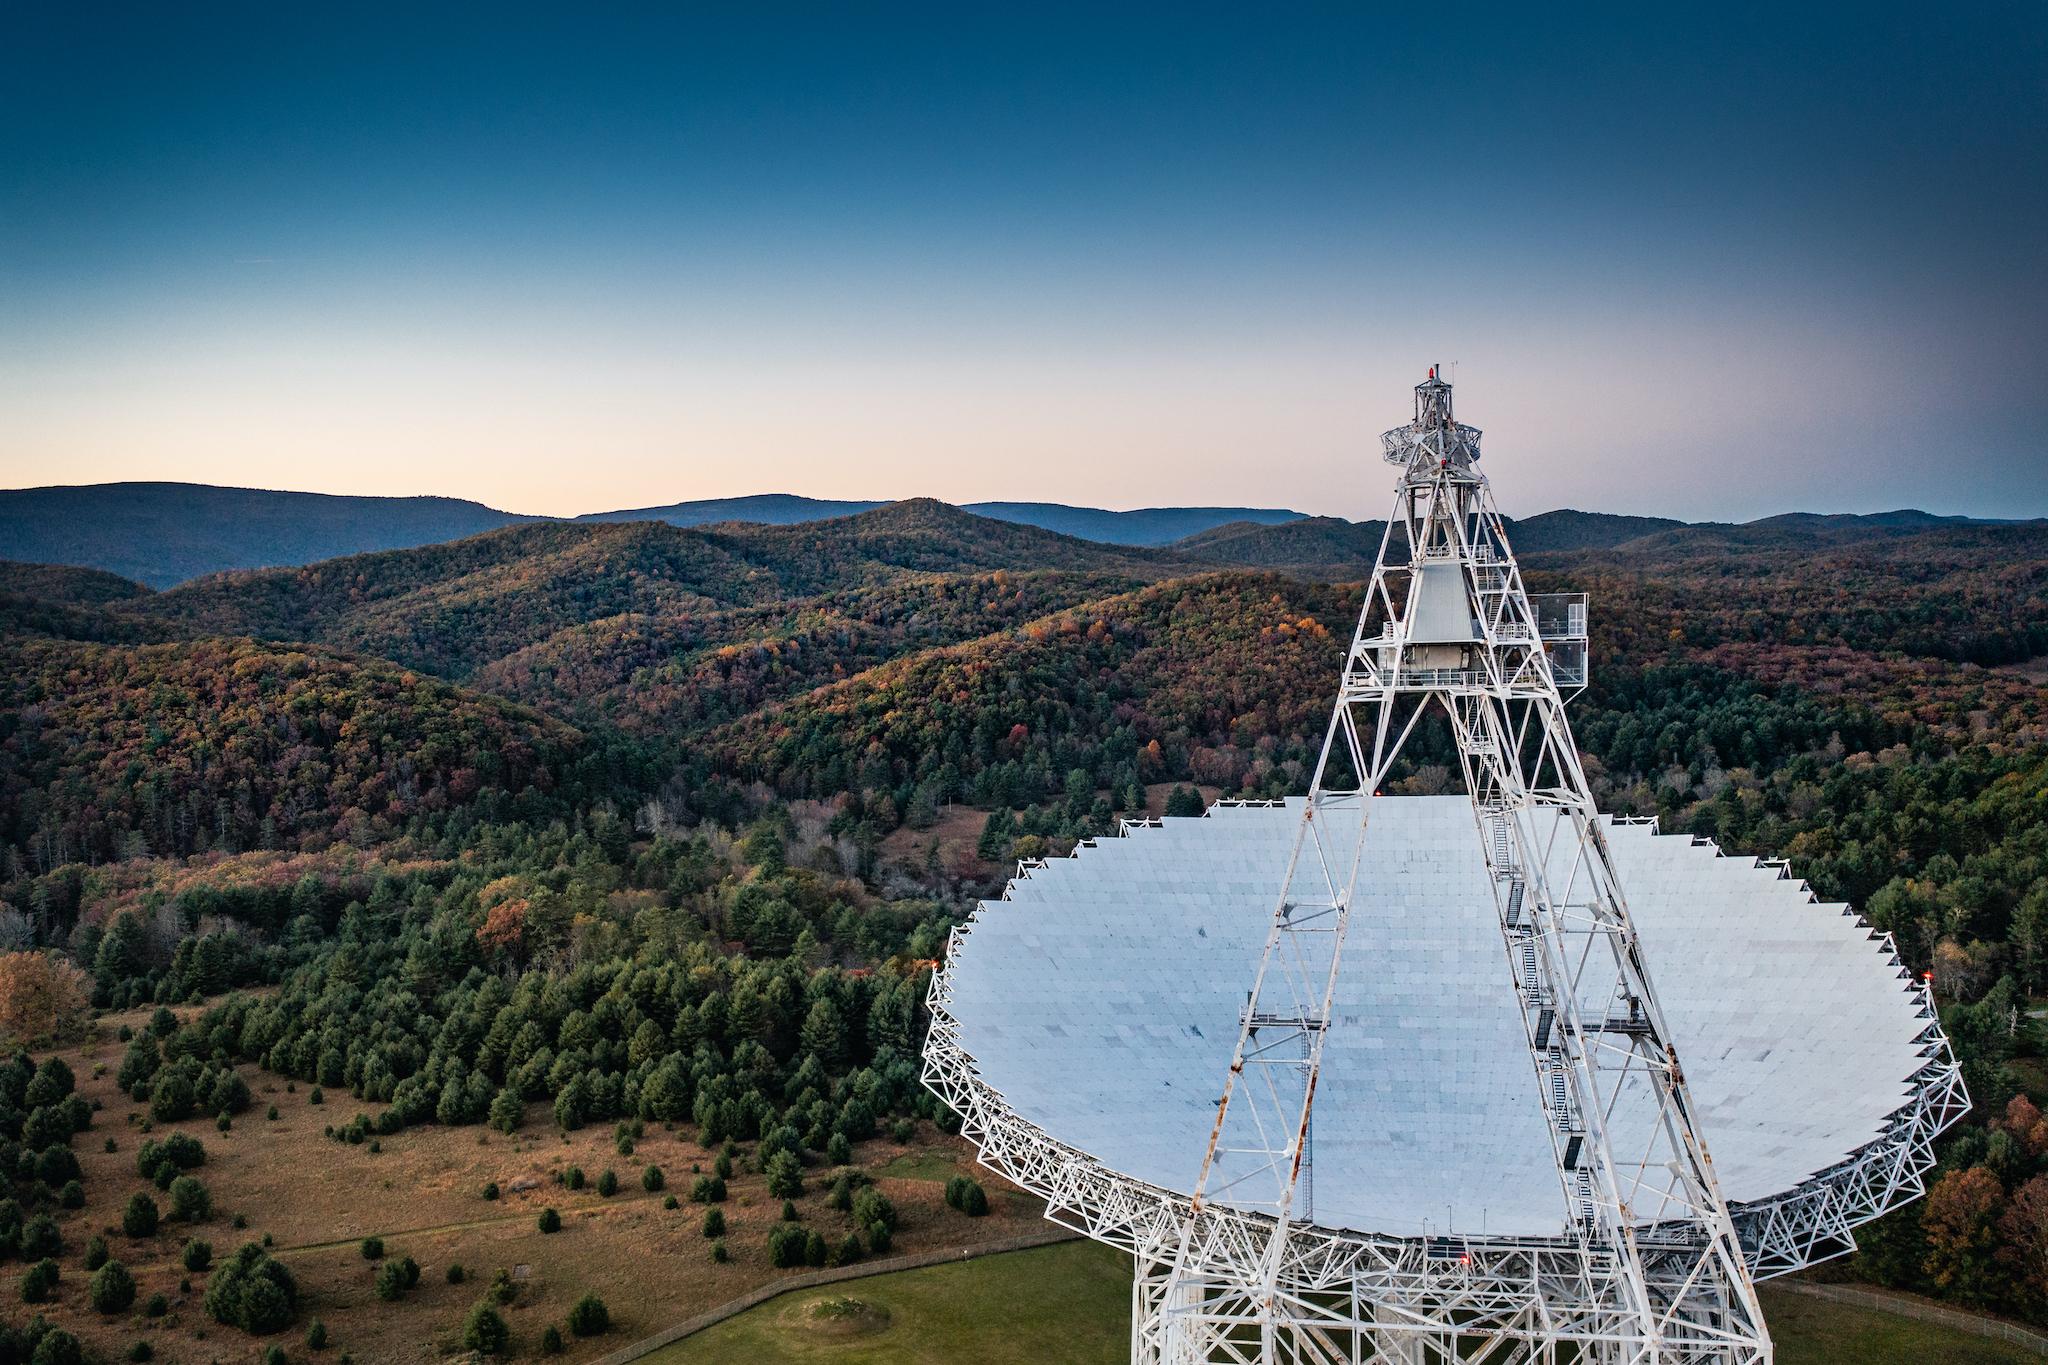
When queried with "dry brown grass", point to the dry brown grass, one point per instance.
{"points": [[317, 1198]]}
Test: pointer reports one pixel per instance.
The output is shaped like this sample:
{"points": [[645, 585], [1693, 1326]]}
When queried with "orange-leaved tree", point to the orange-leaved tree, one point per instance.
{"points": [[41, 997], [1962, 1234]]}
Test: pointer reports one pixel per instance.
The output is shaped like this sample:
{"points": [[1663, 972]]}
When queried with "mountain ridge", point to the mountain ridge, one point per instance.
{"points": [[164, 534]]}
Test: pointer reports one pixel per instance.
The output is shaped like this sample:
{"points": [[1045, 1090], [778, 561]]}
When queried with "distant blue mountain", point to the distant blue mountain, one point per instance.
{"points": [[165, 533], [1145, 526]]}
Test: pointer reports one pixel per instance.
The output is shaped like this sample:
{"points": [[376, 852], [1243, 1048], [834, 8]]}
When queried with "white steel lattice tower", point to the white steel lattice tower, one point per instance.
{"points": [[1649, 1268]]}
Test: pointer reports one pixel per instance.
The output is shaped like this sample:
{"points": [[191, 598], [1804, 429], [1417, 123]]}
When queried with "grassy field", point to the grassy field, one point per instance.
{"points": [[1071, 1304], [1067, 1303], [1816, 1332]]}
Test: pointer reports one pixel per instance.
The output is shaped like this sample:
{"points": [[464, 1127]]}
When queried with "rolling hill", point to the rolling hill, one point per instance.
{"points": [[452, 608], [1319, 547]]}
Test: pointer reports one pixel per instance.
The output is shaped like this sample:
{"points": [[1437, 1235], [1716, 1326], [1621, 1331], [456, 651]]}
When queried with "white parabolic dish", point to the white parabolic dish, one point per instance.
{"points": [[1097, 1005]]}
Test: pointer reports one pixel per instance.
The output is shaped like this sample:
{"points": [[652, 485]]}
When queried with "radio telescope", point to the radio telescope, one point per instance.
{"points": [[1420, 1079]]}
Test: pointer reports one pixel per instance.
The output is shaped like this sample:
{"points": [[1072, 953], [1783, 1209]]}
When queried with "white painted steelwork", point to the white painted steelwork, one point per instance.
{"points": [[1418, 1155]]}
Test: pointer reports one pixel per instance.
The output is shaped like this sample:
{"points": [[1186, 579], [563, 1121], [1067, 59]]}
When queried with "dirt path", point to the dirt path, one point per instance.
{"points": [[610, 1206]]}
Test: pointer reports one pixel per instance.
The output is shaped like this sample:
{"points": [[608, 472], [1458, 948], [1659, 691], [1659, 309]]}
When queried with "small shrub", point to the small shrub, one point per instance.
{"points": [[484, 1332], [651, 1179], [39, 1281], [96, 1252], [72, 1196], [373, 1248], [140, 1218], [397, 1278], [589, 1317], [551, 1340], [316, 1336], [491, 1191], [871, 1206], [456, 1274], [39, 1237], [272, 1114], [714, 1222], [252, 1290], [849, 1250], [785, 1175], [158, 1305], [141, 1351], [786, 1246], [718, 1252], [190, 1202], [58, 1347], [317, 1096], [113, 1288], [608, 1184], [788, 1212], [815, 1250], [172, 1098], [671, 1203], [573, 1177], [273, 1354], [198, 1256], [838, 1150], [723, 1166], [550, 1221]]}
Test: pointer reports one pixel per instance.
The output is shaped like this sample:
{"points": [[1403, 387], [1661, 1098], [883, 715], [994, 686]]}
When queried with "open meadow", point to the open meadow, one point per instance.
{"points": [[312, 1200]]}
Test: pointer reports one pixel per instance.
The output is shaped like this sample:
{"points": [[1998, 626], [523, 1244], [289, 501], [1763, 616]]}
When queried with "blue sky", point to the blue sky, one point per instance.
{"points": [[1719, 263]]}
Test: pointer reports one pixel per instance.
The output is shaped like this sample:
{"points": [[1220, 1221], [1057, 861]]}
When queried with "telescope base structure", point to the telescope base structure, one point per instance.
{"points": [[1522, 1309]]}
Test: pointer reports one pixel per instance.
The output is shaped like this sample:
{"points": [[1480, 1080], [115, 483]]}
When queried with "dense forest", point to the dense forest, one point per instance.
{"points": [[665, 824]]}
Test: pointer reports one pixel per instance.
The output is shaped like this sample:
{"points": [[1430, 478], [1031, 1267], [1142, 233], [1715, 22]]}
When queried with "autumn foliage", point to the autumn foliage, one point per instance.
{"points": [[41, 998]]}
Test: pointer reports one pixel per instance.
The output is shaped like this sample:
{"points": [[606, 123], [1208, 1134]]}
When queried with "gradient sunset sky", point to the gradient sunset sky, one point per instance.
{"points": [[569, 258]]}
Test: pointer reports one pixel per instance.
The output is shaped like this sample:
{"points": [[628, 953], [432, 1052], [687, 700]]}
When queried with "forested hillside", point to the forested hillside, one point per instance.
{"points": [[615, 822]]}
